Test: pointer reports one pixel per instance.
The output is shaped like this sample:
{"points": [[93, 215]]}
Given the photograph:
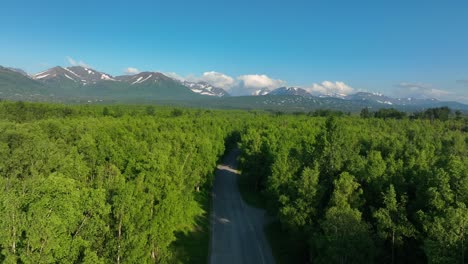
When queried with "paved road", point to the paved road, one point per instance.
{"points": [[237, 229]]}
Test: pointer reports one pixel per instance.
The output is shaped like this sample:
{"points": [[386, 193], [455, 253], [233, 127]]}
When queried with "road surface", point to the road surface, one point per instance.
{"points": [[236, 229]]}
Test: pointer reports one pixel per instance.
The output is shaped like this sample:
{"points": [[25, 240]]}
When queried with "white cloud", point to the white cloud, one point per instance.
{"points": [[131, 70], [256, 81], [218, 79], [73, 62], [249, 83], [214, 78], [421, 90], [241, 85], [328, 87]]}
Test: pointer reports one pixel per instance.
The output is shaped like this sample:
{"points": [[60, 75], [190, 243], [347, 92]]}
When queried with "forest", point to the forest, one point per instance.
{"points": [[119, 183], [383, 187], [102, 184]]}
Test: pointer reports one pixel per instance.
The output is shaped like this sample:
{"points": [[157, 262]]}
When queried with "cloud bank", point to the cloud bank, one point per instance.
{"points": [[241, 85], [256, 81], [330, 88], [250, 83], [218, 79], [421, 90]]}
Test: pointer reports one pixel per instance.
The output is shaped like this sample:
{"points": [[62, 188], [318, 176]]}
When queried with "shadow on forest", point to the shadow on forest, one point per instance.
{"points": [[192, 246]]}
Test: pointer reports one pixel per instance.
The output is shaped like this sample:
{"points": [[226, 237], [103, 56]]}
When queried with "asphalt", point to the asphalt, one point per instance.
{"points": [[237, 234]]}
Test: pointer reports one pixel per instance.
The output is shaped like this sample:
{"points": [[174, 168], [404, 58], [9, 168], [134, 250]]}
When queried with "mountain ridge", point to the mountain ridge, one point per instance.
{"points": [[78, 83]]}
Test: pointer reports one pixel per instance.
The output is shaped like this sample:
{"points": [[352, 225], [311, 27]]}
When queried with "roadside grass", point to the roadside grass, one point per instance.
{"points": [[287, 248], [193, 247]]}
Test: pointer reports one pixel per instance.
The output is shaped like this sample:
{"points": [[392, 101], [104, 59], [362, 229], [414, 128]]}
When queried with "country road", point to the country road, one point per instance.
{"points": [[236, 229]]}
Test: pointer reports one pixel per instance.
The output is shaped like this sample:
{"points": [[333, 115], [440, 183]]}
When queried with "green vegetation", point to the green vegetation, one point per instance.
{"points": [[192, 246], [106, 184], [248, 192], [287, 247], [391, 189], [131, 184]]}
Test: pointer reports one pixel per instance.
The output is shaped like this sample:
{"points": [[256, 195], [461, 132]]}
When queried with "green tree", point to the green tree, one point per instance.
{"points": [[334, 147], [150, 110], [345, 237], [392, 223], [365, 113], [105, 111], [299, 206], [445, 241]]}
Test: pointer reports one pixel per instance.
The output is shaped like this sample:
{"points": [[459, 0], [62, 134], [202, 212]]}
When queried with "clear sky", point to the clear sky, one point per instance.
{"points": [[396, 47]]}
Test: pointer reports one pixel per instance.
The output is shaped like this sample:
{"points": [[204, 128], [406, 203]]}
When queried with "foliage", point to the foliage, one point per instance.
{"points": [[87, 185], [384, 188], [100, 184]]}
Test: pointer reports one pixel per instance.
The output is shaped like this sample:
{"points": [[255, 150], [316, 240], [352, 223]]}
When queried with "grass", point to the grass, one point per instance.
{"points": [[193, 247]]}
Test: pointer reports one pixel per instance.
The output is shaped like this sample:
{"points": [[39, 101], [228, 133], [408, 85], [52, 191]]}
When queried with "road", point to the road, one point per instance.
{"points": [[236, 229]]}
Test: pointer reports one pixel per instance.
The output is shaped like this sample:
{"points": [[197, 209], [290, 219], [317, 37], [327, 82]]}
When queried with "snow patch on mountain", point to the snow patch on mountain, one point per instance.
{"points": [[106, 77], [66, 75], [137, 81], [204, 88], [263, 91], [41, 76], [70, 71]]}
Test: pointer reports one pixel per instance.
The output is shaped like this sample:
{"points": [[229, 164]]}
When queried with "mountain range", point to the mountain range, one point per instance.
{"points": [[82, 84]]}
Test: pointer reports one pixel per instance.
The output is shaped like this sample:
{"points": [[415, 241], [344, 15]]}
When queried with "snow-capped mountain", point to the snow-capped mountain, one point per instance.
{"points": [[383, 99], [143, 78], [89, 75], [77, 83], [290, 91], [415, 101], [359, 97], [263, 91], [205, 88], [76, 74], [371, 97]]}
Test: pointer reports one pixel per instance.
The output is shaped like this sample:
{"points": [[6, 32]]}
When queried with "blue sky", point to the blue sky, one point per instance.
{"points": [[401, 48]]}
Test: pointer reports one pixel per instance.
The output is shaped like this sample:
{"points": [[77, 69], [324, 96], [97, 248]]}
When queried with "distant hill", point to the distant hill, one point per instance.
{"points": [[15, 85], [295, 103], [18, 71]]}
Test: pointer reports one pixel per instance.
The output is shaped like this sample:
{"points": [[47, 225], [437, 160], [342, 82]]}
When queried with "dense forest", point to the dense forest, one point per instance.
{"points": [[116, 184], [102, 184], [383, 187]]}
